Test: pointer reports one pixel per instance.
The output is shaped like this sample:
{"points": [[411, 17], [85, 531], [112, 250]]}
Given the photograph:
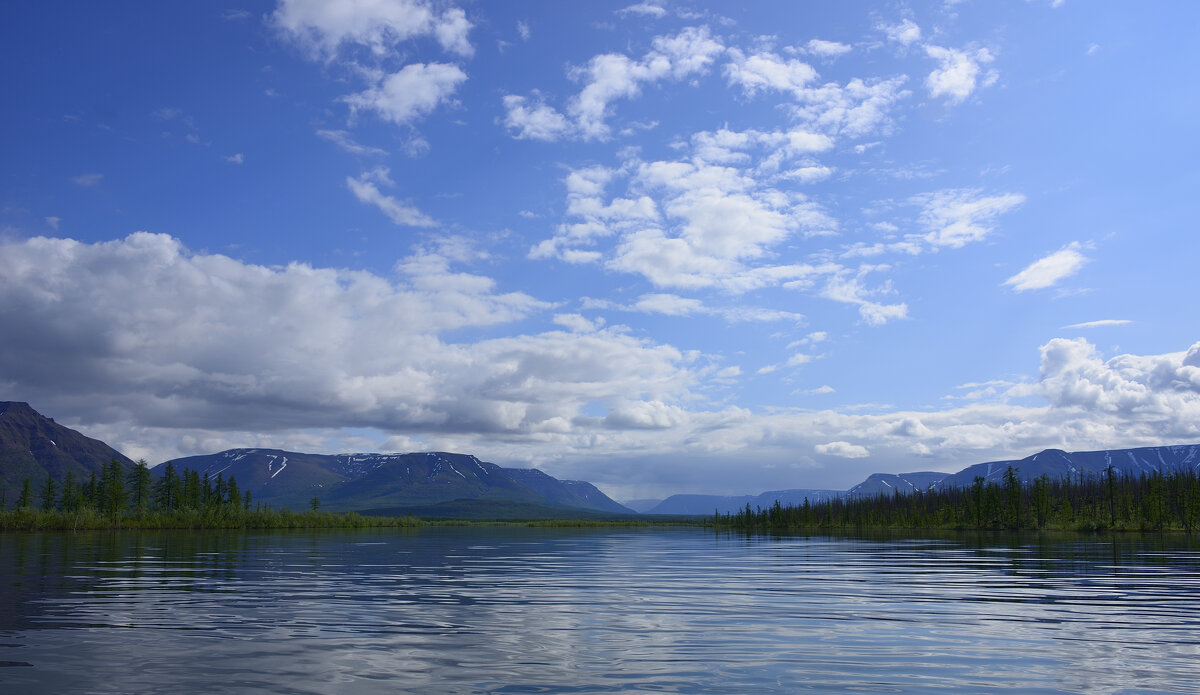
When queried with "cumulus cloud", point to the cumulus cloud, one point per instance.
{"points": [[324, 27], [143, 329], [366, 189], [365, 37], [708, 221], [905, 33], [235, 158], [958, 72], [531, 119], [827, 49], [414, 91], [1046, 272], [858, 108], [608, 78], [1160, 389]]}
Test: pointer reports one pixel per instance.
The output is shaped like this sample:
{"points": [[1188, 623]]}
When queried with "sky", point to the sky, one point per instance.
{"points": [[664, 247]]}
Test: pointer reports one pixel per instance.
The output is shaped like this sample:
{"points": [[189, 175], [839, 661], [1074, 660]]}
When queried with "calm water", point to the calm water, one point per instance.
{"points": [[515, 610]]}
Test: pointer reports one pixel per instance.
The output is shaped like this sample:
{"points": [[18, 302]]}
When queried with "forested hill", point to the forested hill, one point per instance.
{"points": [[34, 446]]}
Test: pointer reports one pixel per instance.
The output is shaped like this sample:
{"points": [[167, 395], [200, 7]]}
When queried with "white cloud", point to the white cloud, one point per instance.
{"points": [[844, 450], [325, 26], [669, 305], [177, 339], [578, 323], [611, 77], [343, 140], [53, 222], [1046, 272], [366, 189], [88, 180], [534, 120], [958, 73], [827, 49], [851, 289], [906, 33], [452, 30], [856, 109], [1102, 323], [1157, 388], [237, 158], [820, 390], [646, 9], [524, 31], [766, 71], [414, 91], [957, 217]]}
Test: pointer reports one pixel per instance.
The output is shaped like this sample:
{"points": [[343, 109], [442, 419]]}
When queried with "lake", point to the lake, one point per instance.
{"points": [[525, 610]]}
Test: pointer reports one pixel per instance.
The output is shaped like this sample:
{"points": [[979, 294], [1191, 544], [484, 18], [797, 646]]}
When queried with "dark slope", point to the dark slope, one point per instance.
{"points": [[34, 446]]}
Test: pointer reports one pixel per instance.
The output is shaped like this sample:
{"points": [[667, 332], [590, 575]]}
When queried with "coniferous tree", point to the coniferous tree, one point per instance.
{"points": [[48, 493], [167, 489], [233, 496], [113, 496], [26, 498], [70, 493], [91, 492], [139, 486]]}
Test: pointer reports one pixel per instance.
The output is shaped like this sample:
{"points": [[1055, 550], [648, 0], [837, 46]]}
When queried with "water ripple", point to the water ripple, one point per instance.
{"points": [[551, 611]]}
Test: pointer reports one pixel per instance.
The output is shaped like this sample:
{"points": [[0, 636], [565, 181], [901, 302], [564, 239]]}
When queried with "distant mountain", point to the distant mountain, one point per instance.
{"points": [[1061, 464], [726, 504], [34, 446], [1052, 462], [361, 481]]}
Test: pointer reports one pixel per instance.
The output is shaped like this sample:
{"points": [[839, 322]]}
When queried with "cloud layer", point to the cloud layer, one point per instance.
{"points": [[150, 333]]}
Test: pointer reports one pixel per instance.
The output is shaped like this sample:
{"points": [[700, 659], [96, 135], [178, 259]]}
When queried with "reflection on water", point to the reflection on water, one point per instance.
{"points": [[516, 610]]}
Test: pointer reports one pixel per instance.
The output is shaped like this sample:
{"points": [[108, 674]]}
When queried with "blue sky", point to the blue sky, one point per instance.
{"points": [[664, 247]]}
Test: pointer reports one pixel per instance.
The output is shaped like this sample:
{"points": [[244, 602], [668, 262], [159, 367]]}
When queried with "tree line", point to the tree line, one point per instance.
{"points": [[1109, 501], [120, 498]]}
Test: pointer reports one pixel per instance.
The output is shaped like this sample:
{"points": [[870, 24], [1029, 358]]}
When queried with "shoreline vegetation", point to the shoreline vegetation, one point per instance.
{"points": [[131, 500], [1088, 503]]}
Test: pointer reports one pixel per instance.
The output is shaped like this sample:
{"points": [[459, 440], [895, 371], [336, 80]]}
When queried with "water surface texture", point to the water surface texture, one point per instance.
{"points": [[518, 610]]}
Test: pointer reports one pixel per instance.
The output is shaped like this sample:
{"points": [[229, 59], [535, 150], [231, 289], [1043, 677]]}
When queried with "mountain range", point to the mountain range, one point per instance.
{"points": [[1054, 463], [33, 446], [353, 482]]}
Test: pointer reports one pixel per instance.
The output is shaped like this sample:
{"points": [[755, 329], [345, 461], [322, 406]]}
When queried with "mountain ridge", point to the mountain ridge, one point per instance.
{"points": [[356, 481]]}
